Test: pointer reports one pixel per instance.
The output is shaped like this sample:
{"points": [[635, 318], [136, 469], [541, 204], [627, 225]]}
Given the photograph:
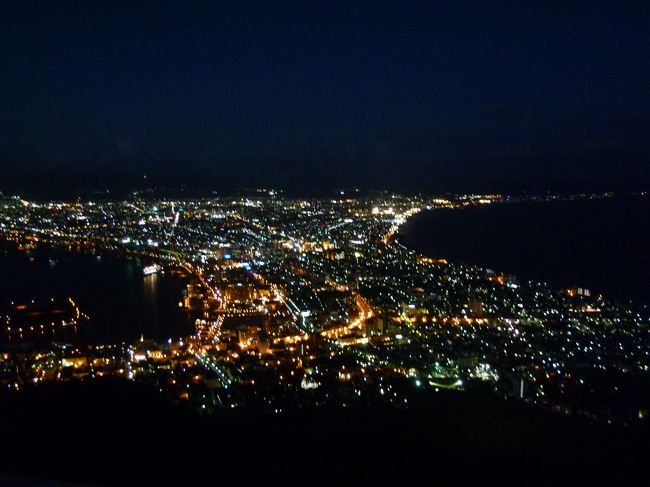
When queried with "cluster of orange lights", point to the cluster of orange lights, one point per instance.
{"points": [[429, 260]]}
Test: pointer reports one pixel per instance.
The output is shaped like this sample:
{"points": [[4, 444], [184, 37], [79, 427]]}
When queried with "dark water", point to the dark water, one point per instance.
{"points": [[121, 302], [603, 245]]}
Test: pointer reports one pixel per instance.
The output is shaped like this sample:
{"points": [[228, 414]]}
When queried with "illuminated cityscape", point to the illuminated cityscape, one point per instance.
{"points": [[307, 303], [308, 242]]}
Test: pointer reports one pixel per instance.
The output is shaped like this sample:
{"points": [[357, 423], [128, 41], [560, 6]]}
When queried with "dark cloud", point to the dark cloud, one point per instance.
{"points": [[502, 109], [627, 120], [125, 146], [384, 151]]}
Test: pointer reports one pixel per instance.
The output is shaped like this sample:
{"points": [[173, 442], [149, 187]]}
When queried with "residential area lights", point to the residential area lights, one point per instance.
{"points": [[312, 302]]}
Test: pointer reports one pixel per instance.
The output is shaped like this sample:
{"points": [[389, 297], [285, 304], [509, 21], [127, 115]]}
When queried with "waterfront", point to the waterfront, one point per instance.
{"points": [[565, 243], [304, 304], [121, 302]]}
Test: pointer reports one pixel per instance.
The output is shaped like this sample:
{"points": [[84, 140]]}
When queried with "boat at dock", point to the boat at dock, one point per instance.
{"points": [[151, 269]]}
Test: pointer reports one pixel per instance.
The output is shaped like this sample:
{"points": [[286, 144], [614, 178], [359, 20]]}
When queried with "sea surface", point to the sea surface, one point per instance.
{"points": [[121, 302], [602, 245]]}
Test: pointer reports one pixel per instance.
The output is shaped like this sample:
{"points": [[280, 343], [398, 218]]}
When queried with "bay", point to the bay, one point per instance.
{"points": [[123, 305], [599, 244]]}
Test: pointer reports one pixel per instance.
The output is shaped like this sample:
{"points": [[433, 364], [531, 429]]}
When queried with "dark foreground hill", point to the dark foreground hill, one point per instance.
{"points": [[118, 433]]}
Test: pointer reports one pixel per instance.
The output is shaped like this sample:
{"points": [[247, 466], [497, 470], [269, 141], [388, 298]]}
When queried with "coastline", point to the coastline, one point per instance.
{"points": [[513, 238], [122, 303]]}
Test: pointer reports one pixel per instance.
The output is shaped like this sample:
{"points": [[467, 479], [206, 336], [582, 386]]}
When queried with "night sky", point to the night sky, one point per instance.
{"points": [[422, 96]]}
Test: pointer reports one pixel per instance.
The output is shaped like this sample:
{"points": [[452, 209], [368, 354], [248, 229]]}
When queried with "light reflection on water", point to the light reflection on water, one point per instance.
{"points": [[121, 302]]}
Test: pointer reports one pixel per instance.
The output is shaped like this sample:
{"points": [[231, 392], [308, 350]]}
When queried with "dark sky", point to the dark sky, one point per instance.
{"points": [[316, 94]]}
